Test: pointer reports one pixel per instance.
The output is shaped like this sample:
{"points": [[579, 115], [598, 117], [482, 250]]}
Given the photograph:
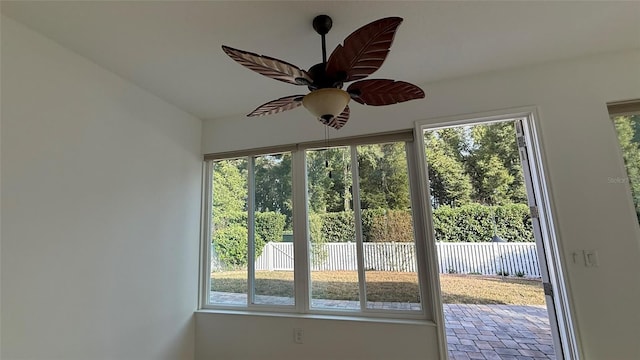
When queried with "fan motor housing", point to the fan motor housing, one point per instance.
{"points": [[322, 80]]}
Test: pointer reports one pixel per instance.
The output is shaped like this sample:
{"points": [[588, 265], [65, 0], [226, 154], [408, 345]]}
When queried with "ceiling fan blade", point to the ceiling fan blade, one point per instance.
{"points": [[269, 67], [378, 92], [364, 50], [277, 106], [338, 121]]}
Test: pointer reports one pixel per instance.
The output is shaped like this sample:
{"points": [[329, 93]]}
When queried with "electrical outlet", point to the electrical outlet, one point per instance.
{"points": [[575, 257], [297, 335]]}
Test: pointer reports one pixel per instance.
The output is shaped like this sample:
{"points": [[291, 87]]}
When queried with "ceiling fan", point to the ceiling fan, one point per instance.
{"points": [[362, 53]]}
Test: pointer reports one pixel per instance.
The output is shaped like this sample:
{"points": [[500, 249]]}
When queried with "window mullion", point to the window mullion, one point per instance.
{"points": [[355, 186], [251, 187], [300, 231]]}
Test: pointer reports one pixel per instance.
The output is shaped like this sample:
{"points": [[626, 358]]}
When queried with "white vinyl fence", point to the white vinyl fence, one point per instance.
{"points": [[460, 258], [489, 258]]}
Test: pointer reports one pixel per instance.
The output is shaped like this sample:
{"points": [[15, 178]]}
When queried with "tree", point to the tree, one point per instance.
{"points": [[493, 153], [395, 179], [478, 163], [450, 184], [495, 184], [329, 180], [455, 142], [371, 177], [318, 182], [384, 180], [273, 185], [229, 192], [229, 212]]}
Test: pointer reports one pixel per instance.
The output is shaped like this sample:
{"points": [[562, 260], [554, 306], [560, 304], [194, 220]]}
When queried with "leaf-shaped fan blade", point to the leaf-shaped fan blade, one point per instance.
{"points": [[277, 106], [364, 50], [269, 67], [378, 92], [338, 121]]}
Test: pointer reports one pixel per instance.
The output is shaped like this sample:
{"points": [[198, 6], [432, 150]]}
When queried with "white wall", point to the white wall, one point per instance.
{"points": [[581, 154], [100, 211], [248, 337]]}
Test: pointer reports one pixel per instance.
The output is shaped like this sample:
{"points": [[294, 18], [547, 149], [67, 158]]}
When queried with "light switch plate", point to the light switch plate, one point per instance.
{"points": [[590, 258]]}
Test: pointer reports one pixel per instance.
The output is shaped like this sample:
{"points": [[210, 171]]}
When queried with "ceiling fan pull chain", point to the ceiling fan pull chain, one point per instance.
{"points": [[326, 154]]}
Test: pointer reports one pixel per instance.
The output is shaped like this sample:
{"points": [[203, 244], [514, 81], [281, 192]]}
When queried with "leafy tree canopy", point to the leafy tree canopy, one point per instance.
{"points": [[475, 164]]}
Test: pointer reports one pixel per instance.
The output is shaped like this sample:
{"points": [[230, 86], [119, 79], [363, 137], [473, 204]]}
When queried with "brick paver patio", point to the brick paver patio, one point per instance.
{"points": [[489, 332], [498, 332]]}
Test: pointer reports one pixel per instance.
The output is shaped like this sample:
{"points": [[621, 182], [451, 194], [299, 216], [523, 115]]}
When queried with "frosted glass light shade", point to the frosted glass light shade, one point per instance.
{"points": [[326, 103]]}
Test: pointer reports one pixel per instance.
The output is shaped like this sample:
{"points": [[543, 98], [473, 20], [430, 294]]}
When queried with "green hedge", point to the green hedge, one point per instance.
{"points": [[270, 225], [230, 244], [338, 227], [377, 225], [230, 235], [315, 228], [369, 217], [473, 223], [391, 225], [469, 223]]}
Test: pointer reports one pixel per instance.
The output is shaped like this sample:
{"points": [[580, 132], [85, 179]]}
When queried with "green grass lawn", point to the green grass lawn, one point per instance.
{"points": [[389, 286]]}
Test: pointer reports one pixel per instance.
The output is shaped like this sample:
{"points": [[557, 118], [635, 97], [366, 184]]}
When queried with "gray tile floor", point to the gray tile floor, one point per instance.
{"points": [[498, 332], [489, 332]]}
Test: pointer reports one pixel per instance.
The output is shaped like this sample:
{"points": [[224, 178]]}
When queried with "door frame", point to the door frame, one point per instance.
{"points": [[550, 254]]}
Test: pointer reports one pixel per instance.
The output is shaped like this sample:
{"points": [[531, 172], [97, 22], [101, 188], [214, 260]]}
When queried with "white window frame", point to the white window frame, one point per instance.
{"points": [[622, 108], [302, 289], [206, 242]]}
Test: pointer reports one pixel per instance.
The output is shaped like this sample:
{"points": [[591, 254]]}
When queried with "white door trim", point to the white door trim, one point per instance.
{"points": [[567, 331]]}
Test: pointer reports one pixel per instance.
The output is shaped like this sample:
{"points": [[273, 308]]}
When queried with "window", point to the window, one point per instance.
{"points": [[626, 119], [350, 222], [230, 232], [250, 210], [334, 258]]}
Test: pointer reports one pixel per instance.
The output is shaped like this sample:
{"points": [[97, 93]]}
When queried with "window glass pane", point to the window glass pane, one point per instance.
{"points": [[229, 233], [628, 130], [333, 259], [391, 274], [273, 230]]}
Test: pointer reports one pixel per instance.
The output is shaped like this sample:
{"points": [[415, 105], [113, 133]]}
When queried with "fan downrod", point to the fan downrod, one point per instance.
{"points": [[322, 24]]}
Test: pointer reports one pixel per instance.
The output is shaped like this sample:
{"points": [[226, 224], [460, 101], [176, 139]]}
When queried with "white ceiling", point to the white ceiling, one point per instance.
{"points": [[172, 48]]}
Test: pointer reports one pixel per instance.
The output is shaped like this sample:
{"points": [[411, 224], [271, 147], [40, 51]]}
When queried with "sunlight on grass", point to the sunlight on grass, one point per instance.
{"points": [[389, 286], [478, 289]]}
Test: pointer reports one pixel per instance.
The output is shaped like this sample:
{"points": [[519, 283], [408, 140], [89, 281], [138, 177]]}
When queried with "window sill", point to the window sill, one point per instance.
{"points": [[350, 317]]}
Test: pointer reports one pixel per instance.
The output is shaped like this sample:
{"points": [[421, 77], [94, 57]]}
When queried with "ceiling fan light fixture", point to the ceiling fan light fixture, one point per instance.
{"points": [[360, 55], [326, 103]]}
